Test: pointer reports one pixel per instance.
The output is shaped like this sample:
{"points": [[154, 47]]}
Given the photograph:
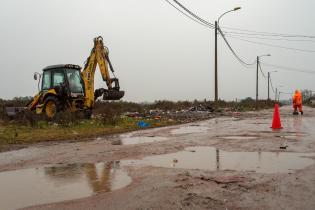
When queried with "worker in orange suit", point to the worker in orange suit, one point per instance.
{"points": [[297, 102]]}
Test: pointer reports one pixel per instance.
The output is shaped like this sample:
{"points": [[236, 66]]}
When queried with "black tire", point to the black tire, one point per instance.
{"points": [[51, 112]]}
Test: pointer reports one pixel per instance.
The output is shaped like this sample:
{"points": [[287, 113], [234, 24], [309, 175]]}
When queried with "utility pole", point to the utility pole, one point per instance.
{"points": [[216, 63], [217, 25], [257, 78], [269, 81], [268, 85], [276, 94], [257, 82]]}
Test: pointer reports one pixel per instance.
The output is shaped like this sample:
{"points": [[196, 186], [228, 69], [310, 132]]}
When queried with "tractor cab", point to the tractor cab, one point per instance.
{"points": [[65, 79]]}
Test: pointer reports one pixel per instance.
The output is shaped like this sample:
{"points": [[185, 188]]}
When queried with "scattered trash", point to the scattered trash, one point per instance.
{"points": [[201, 108], [183, 115], [157, 117], [142, 124], [283, 147], [132, 114]]}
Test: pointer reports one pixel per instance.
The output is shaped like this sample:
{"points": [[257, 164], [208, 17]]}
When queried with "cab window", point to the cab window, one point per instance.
{"points": [[46, 80], [74, 79], [58, 78]]}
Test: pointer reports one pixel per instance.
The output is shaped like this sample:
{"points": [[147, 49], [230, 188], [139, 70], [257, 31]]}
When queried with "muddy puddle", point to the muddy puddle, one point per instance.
{"points": [[292, 137], [210, 158], [190, 129], [130, 140], [28, 187], [239, 137]]}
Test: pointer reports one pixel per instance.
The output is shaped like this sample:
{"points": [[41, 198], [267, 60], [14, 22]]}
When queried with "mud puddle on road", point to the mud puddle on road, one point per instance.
{"points": [[28, 187], [292, 136], [130, 140], [239, 137], [190, 129], [210, 158]]}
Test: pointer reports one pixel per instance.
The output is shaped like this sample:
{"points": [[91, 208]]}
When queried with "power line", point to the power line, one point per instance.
{"points": [[272, 88], [254, 34], [268, 38], [289, 68], [286, 93], [272, 45], [268, 34], [262, 71], [233, 52], [194, 15], [207, 24], [183, 13], [251, 32]]}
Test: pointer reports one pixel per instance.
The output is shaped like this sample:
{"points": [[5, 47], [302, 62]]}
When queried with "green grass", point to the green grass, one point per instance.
{"points": [[13, 134]]}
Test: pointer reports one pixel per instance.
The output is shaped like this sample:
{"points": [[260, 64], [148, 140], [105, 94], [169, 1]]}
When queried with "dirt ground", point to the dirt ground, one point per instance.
{"points": [[194, 185]]}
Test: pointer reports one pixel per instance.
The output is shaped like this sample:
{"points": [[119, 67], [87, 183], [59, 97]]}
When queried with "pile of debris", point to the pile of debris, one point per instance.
{"points": [[184, 115]]}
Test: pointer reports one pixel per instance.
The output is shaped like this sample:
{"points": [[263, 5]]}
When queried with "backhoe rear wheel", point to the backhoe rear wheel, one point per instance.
{"points": [[51, 107]]}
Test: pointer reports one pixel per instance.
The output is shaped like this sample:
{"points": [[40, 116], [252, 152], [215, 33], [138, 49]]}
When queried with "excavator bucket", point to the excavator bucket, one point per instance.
{"points": [[113, 94]]}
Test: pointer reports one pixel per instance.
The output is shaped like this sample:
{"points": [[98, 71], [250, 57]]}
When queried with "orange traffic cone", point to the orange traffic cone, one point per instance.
{"points": [[276, 123]]}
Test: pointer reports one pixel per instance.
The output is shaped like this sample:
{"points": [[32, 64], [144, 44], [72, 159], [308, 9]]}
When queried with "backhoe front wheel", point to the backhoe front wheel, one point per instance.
{"points": [[51, 107]]}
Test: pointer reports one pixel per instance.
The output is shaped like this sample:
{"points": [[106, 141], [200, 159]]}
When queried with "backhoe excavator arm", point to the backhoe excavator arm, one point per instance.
{"points": [[99, 55]]}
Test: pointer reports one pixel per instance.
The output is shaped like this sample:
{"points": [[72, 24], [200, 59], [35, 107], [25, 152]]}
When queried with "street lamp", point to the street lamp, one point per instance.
{"points": [[216, 53], [257, 77], [232, 10], [269, 82]]}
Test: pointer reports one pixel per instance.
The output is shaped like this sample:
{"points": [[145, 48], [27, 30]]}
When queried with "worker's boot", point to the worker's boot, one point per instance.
{"points": [[301, 112], [295, 113]]}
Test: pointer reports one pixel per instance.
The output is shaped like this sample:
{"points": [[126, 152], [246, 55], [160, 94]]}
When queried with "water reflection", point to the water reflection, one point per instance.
{"points": [[209, 158], [29, 187], [217, 151], [297, 125], [100, 176], [127, 140]]}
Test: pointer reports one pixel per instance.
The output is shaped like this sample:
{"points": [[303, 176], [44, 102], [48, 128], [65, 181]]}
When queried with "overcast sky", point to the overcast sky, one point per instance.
{"points": [[157, 52]]}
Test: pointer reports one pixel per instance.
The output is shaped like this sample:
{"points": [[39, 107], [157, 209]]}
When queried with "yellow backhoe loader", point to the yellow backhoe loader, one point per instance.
{"points": [[67, 88]]}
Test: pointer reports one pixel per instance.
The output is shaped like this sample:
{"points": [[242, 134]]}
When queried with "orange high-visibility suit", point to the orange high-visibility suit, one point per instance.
{"points": [[297, 101]]}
